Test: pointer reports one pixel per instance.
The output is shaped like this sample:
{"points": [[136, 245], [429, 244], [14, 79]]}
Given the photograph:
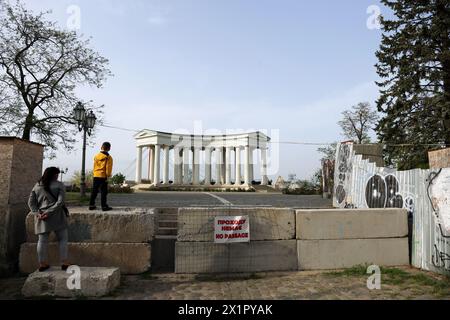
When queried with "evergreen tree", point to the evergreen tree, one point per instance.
{"points": [[414, 67]]}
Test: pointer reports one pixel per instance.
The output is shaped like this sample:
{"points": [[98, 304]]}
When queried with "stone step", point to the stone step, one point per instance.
{"points": [[168, 224], [93, 282], [130, 258], [167, 231], [171, 216], [166, 237]]}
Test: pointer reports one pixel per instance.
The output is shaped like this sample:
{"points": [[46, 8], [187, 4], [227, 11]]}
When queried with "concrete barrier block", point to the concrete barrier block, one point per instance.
{"points": [[256, 256], [94, 282], [130, 258], [197, 224], [336, 254], [351, 224], [121, 226]]}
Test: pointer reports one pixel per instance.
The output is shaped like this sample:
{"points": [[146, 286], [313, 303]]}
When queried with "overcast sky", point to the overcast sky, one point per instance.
{"points": [[286, 66]]}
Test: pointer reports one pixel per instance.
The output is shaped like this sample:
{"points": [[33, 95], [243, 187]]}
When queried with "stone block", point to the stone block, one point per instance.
{"points": [[197, 224], [130, 258], [94, 282], [256, 256], [118, 226], [337, 254], [351, 224], [439, 158]]}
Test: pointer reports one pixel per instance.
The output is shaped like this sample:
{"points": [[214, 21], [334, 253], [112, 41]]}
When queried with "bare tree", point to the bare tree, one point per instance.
{"points": [[358, 121], [40, 67]]}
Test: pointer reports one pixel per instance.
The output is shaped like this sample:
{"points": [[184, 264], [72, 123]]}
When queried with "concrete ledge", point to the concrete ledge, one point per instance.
{"points": [[351, 224], [257, 256], [336, 254], [130, 258], [197, 224], [121, 225], [94, 282]]}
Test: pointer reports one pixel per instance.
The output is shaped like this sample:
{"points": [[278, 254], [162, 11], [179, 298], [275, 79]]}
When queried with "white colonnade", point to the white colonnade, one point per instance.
{"points": [[228, 160]]}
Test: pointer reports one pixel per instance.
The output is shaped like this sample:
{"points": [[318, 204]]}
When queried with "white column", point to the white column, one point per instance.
{"points": [[247, 166], [238, 166], [264, 178], [157, 165], [186, 152], [228, 166], [176, 164], [218, 156], [208, 152], [150, 163], [166, 165], [138, 165], [252, 165], [196, 167]]}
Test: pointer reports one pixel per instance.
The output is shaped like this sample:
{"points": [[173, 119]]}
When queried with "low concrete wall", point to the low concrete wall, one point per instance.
{"points": [[130, 258], [335, 254], [120, 226], [197, 224], [351, 224], [272, 246], [342, 238], [256, 256]]}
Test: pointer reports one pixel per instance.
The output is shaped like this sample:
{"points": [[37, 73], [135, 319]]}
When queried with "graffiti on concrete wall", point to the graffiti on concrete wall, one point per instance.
{"points": [[424, 194], [343, 171], [439, 193]]}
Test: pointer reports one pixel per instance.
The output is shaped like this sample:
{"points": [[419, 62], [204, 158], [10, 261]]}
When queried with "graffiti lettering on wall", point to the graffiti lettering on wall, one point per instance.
{"points": [[385, 193], [439, 195], [424, 193], [440, 259], [343, 171]]}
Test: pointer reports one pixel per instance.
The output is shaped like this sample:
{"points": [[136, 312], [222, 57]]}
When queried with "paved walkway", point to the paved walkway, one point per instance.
{"points": [[189, 199], [400, 283]]}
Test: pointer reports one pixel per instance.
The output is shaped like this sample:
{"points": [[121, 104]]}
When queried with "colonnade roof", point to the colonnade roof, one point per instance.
{"points": [[254, 139]]}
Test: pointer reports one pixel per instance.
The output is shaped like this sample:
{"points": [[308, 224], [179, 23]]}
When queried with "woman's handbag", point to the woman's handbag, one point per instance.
{"points": [[66, 211]]}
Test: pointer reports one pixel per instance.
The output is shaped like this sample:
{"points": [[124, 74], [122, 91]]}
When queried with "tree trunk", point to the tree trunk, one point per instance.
{"points": [[28, 126]]}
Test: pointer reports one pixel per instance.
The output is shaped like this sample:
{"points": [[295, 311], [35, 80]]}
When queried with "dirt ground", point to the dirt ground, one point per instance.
{"points": [[351, 284]]}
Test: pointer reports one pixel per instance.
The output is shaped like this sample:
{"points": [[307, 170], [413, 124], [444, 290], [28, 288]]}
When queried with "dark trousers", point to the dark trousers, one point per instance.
{"points": [[100, 184]]}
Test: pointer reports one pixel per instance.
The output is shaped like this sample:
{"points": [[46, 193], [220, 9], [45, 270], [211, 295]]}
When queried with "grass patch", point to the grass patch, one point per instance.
{"points": [[439, 286]]}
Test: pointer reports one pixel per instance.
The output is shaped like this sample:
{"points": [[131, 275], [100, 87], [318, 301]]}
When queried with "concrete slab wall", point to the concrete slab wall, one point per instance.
{"points": [[335, 254], [197, 224], [257, 256], [351, 224], [130, 258], [122, 226]]}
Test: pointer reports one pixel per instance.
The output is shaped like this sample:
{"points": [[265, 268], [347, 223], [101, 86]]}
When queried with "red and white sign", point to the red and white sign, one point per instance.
{"points": [[231, 229]]}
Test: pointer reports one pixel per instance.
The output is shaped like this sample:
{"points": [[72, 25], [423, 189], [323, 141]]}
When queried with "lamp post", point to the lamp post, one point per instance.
{"points": [[63, 172], [86, 122]]}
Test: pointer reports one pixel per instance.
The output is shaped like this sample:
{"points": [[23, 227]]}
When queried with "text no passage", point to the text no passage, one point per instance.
{"points": [[231, 229]]}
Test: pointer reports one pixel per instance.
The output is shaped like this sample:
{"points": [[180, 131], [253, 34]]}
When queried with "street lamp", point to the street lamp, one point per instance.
{"points": [[63, 172], [86, 122]]}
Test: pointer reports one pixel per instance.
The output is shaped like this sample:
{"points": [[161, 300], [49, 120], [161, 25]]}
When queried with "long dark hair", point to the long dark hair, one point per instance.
{"points": [[48, 177]]}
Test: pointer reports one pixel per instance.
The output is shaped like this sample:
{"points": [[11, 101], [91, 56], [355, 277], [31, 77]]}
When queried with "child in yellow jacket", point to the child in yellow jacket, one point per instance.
{"points": [[103, 164]]}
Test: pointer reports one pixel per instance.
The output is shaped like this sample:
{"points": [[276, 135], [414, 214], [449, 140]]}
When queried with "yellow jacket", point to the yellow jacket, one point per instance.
{"points": [[103, 164]]}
